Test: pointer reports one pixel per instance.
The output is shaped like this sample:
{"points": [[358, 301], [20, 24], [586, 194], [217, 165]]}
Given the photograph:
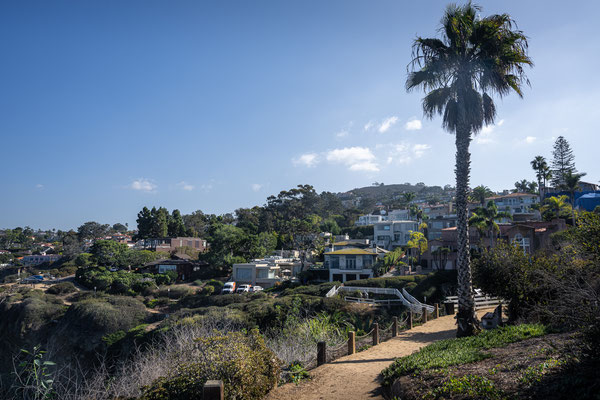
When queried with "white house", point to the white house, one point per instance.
{"points": [[368, 219], [391, 234], [266, 272]]}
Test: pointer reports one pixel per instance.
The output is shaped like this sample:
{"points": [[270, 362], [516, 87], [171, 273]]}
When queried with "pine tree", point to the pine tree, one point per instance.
{"points": [[144, 224], [563, 163], [176, 226]]}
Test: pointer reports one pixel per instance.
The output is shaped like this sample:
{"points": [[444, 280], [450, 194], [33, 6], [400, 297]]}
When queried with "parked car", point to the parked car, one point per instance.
{"points": [[244, 289], [228, 288], [256, 288]]}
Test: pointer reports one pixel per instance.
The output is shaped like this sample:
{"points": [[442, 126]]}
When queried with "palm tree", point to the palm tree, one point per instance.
{"points": [[408, 197], [539, 165], [556, 205], [480, 193], [484, 218], [571, 184], [475, 58]]}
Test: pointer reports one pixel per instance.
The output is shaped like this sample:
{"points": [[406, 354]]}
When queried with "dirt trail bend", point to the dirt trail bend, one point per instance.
{"points": [[354, 377]]}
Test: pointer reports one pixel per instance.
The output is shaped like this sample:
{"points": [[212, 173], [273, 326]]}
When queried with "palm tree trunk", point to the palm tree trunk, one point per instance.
{"points": [[466, 319]]}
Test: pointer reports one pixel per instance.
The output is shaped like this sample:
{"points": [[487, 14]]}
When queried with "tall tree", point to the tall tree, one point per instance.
{"points": [[563, 161], [540, 166], [159, 227], [175, 225], [144, 224], [484, 218], [475, 58]]}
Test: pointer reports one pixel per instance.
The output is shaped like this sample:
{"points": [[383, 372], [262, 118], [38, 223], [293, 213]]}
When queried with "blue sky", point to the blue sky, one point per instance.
{"points": [[107, 106]]}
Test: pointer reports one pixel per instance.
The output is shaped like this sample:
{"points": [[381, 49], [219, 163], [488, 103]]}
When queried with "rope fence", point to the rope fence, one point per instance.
{"points": [[375, 336]]}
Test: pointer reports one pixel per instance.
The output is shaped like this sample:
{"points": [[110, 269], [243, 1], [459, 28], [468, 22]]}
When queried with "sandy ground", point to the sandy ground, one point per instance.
{"points": [[356, 376]]}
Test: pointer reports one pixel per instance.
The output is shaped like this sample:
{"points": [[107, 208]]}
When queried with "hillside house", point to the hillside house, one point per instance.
{"points": [[350, 264]]}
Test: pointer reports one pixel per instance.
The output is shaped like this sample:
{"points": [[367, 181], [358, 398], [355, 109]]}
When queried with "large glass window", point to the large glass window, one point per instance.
{"points": [[243, 274], [164, 268]]}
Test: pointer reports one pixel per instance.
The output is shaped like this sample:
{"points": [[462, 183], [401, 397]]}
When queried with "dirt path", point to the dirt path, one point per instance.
{"points": [[356, 376]]}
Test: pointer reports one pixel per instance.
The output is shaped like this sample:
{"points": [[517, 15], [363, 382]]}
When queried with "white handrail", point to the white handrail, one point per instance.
{"points": [[415, 306]]}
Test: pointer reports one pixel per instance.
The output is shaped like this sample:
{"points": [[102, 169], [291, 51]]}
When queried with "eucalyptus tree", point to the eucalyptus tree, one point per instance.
{"points": [[474, 59], [484, 218]]}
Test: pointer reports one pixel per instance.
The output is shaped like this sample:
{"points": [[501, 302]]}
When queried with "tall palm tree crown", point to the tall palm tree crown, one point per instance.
{"points": [[474, 59], [480, 193], [540, 166]]}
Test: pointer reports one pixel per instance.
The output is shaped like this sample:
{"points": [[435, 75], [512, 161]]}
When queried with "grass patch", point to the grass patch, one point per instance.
{"points": [[459, 351], [468, 386]]}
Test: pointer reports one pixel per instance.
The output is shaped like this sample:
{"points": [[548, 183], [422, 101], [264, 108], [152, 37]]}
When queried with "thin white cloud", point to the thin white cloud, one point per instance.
{"points": [[39, 186], [367, 166], [405, 153], [341, 134], [420, 149], [530, 139], [387, 123], [143, 185], [369, 125], [486, 136], [413, 124], [186, 186], [307, 160], [355, 158], [206, 187], [256, 187]]}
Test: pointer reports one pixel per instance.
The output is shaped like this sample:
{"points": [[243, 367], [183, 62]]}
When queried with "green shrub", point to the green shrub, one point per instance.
{"points": [[459, 351], [62, 288], [174, 291], [198, 282], [218, 285], [248, 369], [468, 386]]}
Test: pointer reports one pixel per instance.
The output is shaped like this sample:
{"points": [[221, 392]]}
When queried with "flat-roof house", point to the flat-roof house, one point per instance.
{"points": [[186, 269], [40, 259], [266, 272], [171, 244], [391, 234]]}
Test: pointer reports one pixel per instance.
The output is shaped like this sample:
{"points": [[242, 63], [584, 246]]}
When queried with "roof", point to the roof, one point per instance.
{"points": [[352, 252], [503, 196]]}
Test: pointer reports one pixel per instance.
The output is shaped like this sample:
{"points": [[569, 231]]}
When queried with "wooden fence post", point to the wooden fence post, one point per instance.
{"points": [[375, 334], [213, 390], [394, 326], [424, 314], [321, 353], [351, 342], [410, 320], [437, 310]]}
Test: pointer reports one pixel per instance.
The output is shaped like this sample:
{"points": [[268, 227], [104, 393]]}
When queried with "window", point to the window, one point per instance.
{"points": [[350, 262], [164, 268], [334, 261], [386, 227], [243, 274], [367, 261], [522, 242]]}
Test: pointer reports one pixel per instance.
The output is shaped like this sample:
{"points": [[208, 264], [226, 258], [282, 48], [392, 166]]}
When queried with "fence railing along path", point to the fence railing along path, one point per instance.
{"points": [[403, 297], [481, 301]]}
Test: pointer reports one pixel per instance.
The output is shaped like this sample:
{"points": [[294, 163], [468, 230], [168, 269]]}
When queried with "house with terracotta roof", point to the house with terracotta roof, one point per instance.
{"points": [[519, 205], [531, 236]]}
